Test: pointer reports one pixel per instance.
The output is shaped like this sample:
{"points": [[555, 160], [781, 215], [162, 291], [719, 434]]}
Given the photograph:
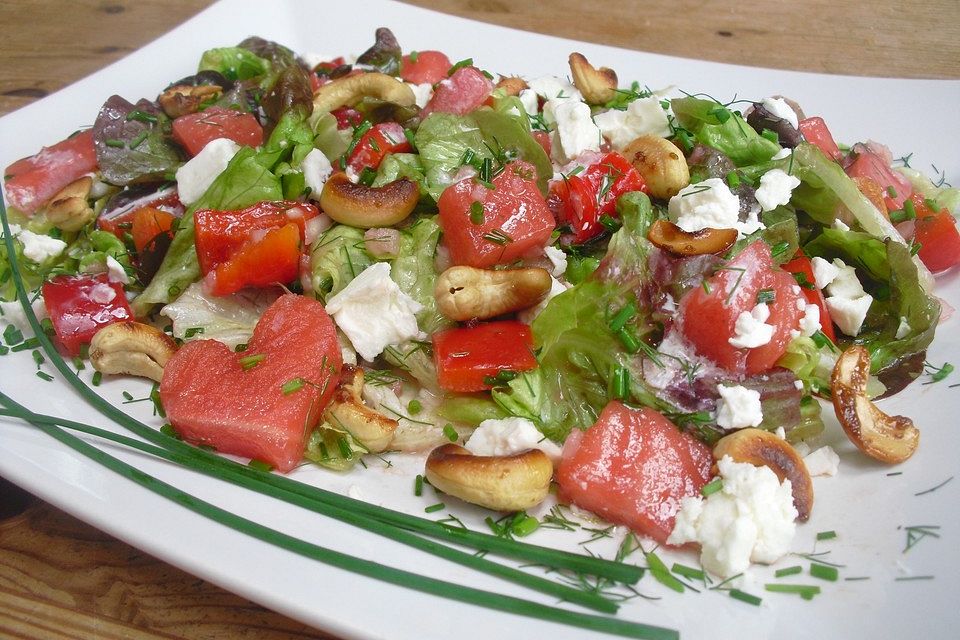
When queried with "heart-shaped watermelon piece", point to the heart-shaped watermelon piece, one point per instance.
{"points": [[261, 403]]}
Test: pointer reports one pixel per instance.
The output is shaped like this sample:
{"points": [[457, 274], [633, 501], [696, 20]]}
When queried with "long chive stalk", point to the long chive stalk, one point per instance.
{"points": [[620, 572], [549, 587], [368, 568]]}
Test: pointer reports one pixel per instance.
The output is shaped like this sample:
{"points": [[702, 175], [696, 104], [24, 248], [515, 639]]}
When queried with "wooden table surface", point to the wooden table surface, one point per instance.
{"points": [[60, 578]]}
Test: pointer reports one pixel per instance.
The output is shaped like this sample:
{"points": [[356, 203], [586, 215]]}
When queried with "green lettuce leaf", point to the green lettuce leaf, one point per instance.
{"points": [[235, 63], [716, 126], [414, 271], [442, 140], [337, 257]]}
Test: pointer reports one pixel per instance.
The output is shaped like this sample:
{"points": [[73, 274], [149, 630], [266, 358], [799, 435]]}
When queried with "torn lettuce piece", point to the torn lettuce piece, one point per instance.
{"points": [[716, 126], [227, 319], [327, 137], [442, 140], [337, 257], [946, 197], [133, 150], [235, 63], [333, 448], [415, 358], [506, 133], [413, 269], [469, 409]]}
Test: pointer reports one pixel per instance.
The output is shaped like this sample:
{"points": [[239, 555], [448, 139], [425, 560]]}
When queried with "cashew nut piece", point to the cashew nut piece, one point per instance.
{"points": [[366, 207], [501, 483], [762, 448], [347, 411], [660, 162], [69, 209], [889, 439], [512, 85], [669, 237], [181, 99], [464, 293], [350, 89], [598, 86], [131, 348]]}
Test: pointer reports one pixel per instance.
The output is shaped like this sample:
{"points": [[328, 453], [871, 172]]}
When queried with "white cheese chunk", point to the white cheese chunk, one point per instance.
{"points": [[643, 116], [421, 93], [823, 272], [530, 102], [116, 272], [316, 169], [845, 284], [710, 205], [12, 313], [751, 329], [196, 176], [750, 519], [554, 88], [810, 322], [558, 259], [508, 436], [822, 462], [739, 407], [783, 153], [39, 247], [775, 189], [102, 293], [779, 108], [840, 225], [903, 329], [574, 131], [529, 315], [374, 313], [849, 313]]}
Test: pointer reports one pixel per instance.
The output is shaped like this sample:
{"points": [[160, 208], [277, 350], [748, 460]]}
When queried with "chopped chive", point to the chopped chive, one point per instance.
{"points": [[292, 386], [38, 358], [610, 223], [435, 507], [260, 465], [826, 535], [712, 487], [805, 591], [249, 362], [418, 486], [113, 142], [909, 209], [47, 325], [779, 249], [127, 396], [136, 142], [486, 170], [367, 176], [688, 572], [733, 180], [240, 348], [78, 364], [622, 317], [931, 204], [770, 135], [4, 350], [524, 525], [450, 432], [157, 403], [766, 296], [44, 376], [820, 339], [497, 236], [909, 578], [932, 489], [722, 114], [192, 331], [629, 341], [12, 335], [476, 212], [141, 116], [466, 62], [169, 431], [29, 343], [414, 407], [706, 286], [346, 451], [892, 191], [97, 377], [468, 157], [824, 572], [621, 383], [788, 571], [661, 573], [743, 596]]}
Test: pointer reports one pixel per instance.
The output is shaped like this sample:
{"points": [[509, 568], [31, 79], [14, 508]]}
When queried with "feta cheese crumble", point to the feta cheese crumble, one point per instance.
{"points": [[553, 88], [316, 169], [710, 205], [823, 272], [751, 329], [810, 322], [558, 259], [643, 116], [374, 313], [116, 272], [421, 93], [739, 407], [574, 130], [508, 436], [775, 189], [779, 108], [39, 247], [750, 519], [196, 176], [846, 300], [822, 462], [848, 314], [530, 102]]}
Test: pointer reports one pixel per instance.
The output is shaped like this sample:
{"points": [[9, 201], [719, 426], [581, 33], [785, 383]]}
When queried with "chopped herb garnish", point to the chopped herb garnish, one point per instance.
{"points": [[414, 407], [249, 362], [44, 376], [38, 358], [367, 176], [192, 331], [621, 384], [805, 591], [938, 373], [766, 296], [136, 142], [824, 572], [12, 335], [141, 116], [733, 180], [779, 249], [802, 280], [435, 507], [418, 485], [476, 212], [292, 386], [661, 573], [916, 533], [497, 236], [113, 142], [788, 571], [932, 489], [892, 191], [97, 377], [169, 431], [466, 62], [743, 596], [770, 135], [450, 433], [826, 535], [712, 487], [260, 465], [688, 572], [622, 317]]}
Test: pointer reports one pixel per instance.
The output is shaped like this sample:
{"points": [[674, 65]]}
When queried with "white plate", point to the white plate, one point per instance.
{"points": [[864, 505]]}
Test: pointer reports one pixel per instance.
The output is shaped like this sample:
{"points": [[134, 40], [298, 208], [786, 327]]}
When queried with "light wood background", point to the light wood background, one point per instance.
{"points": [[60, 578]]}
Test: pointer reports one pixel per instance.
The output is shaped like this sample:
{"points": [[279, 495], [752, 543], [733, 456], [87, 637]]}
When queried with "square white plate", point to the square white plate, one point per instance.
{"points": [[865, 505]]}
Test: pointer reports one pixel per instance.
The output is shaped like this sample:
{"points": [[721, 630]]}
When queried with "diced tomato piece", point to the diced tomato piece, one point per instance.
{"points": [[633, 467], [936, 233], [591, 194], [220, 234], [79, 306], [120, 220], [375, 144], [32, 181], [467, 355], [461, 93], [274, 259], [801, 265], [193, 131], [212, 398], [815, 132], [709, 314], [148, 223], [516, 220], [868, 164], [424, 67], [347, 117]]}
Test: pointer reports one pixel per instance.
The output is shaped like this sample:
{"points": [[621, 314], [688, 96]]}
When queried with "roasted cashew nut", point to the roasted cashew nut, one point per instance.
{"points": [[501, 483], [349, 90], [669, 237], [511, 85], [598, 86], [464, 293], [660, 163], [366, 207], [69, 209], [764, 449], [131, 348], [889, 439], [347, 411], [182, 99]]}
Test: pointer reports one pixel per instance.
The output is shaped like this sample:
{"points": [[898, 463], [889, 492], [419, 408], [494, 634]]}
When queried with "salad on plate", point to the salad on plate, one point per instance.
{"points": [[554, 290]]}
